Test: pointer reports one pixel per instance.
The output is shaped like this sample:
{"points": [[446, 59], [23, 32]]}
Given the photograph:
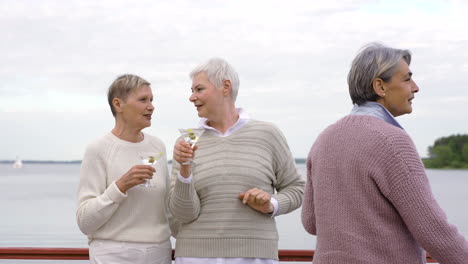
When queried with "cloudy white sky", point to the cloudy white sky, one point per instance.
{"points": [[59, 57]]}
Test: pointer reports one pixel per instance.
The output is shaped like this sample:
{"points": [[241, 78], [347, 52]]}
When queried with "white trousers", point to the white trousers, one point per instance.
{"points": [[188, 260], [109, 252]]}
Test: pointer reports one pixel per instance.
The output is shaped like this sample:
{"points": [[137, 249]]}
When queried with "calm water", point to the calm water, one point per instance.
{"points": [[38, 204]]}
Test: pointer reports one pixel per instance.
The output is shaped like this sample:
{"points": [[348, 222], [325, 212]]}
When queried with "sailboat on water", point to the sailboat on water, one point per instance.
{"points": [[18, 163]]}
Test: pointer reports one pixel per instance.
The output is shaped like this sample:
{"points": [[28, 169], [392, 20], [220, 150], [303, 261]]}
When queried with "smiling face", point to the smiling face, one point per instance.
{"points": [[208, 99], [397, 93], [137, 110]]}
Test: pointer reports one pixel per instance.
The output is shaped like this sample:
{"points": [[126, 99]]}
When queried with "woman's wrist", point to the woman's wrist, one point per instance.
{"points": [[121, 186], [185, 170]]}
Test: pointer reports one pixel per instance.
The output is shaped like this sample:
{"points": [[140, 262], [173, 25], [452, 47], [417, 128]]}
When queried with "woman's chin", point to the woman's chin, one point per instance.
{"points": [[201, 114], [145, 125]]}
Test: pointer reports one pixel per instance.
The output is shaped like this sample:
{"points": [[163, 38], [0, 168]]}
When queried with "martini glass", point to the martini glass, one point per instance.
{"points": [[191, 136], [149, 158]]}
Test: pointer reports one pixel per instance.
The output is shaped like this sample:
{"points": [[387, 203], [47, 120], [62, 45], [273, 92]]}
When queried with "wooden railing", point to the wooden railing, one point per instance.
{"points": [[43, 253], [83, 253]]}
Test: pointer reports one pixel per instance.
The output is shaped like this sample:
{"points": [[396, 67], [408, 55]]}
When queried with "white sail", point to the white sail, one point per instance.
{"points": [[18, 163]]}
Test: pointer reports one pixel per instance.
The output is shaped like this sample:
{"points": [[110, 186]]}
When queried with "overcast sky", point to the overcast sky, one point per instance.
{"points": [[59, 57]]}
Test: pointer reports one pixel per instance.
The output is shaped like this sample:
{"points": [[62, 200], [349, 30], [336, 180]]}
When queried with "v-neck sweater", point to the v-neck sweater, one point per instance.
{"points": [[215, 222]]}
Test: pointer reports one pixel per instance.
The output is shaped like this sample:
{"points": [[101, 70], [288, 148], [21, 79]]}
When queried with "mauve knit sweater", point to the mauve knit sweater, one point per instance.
{"points": [[368, 199]]}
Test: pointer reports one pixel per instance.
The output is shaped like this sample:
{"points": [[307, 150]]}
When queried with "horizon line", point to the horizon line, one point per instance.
{"points": [[301, 160]]}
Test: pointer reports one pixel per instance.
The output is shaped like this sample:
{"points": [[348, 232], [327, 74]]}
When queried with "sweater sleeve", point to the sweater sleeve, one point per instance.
{"points": [[410, 193], [308, 207], [96, 202], [173, 223], [289, 183], [184, 203]]}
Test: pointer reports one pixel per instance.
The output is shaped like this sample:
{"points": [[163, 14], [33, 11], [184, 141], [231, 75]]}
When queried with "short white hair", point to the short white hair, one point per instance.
{"points": [[218, 70]]}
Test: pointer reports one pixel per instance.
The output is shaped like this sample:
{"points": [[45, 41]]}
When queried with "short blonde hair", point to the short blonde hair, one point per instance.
{"points": [[122, 87]]}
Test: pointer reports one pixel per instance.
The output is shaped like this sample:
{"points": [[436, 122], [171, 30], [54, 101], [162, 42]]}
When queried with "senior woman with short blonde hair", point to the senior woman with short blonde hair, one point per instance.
{"points": [[367, 196], [126, 222]]}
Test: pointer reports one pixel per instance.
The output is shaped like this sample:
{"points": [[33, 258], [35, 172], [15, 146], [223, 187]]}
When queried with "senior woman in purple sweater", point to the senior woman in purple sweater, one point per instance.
{"points": [[367, 197]]}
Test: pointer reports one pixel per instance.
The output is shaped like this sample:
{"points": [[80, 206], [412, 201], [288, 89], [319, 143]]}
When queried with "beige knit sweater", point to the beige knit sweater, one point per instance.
{"points": [[140, 215], [215, 222]]}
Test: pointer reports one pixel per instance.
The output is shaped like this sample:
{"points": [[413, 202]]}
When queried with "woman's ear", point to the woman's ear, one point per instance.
{"points": [[379, 88], [227, 87], [117, 103]]}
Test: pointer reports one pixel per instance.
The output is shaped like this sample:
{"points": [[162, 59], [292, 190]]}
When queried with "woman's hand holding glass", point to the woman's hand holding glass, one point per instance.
{"points": [[149, 158], [183, 154], [137, 174], [191, 136]]}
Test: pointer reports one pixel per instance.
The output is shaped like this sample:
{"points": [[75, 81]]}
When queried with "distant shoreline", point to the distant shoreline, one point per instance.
{"points": [[298, 161], [42, 161]]}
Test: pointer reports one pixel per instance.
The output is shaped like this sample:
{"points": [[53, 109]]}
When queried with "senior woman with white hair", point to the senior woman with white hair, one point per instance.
{"points": [[126, 222], [367, 196], [227, 201]]}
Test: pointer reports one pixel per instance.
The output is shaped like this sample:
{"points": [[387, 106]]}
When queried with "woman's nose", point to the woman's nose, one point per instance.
{"points": [[192, 97], [415, 87]]}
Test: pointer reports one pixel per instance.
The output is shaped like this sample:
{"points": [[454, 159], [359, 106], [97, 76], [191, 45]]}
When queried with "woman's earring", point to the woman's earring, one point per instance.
{"points": [[383, 95]]}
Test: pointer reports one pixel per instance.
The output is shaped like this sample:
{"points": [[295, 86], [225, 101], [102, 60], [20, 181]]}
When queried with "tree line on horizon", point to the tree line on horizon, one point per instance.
{"points": [[448, 153]]}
